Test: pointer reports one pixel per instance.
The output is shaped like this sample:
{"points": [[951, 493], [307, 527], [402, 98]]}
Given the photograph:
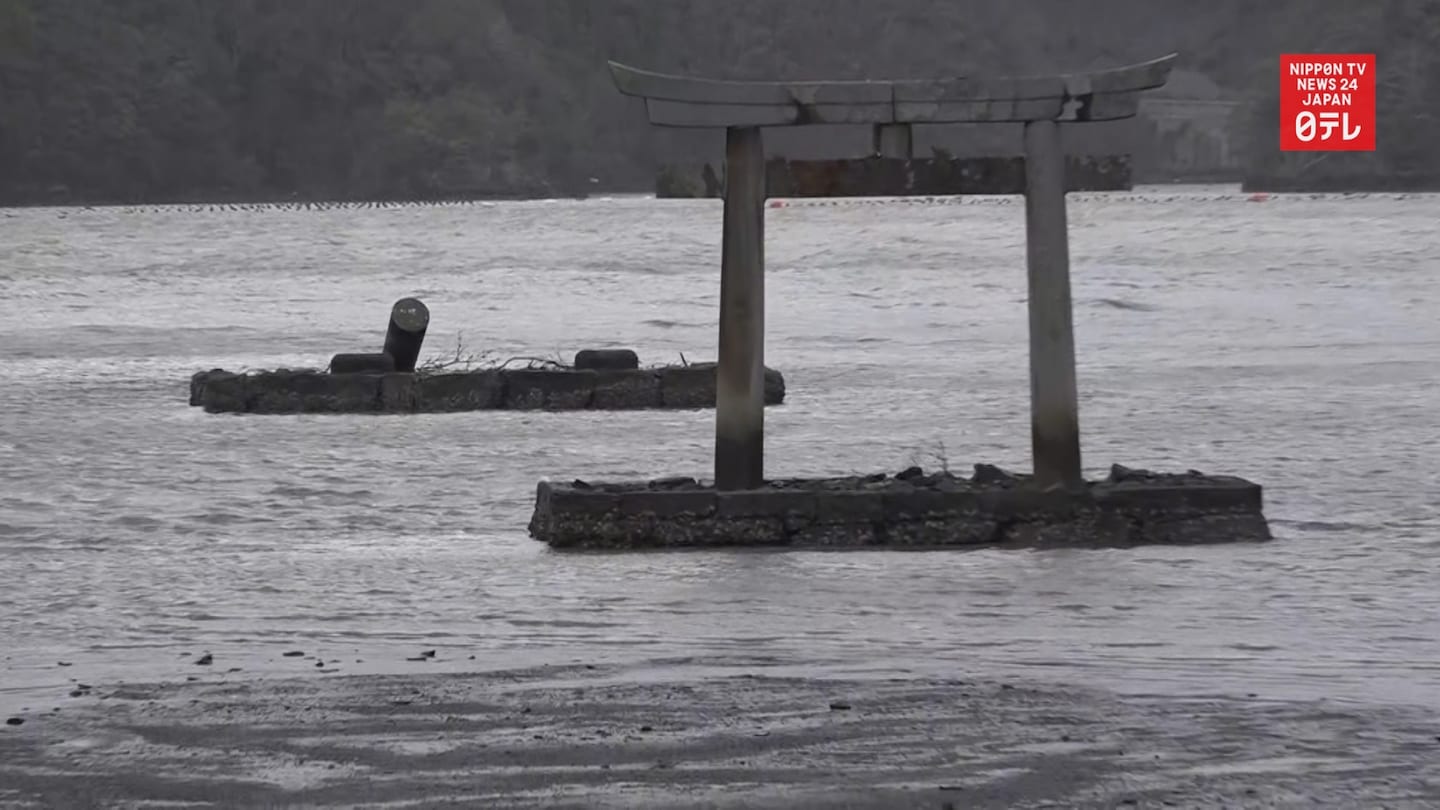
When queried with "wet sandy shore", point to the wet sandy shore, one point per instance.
{"points": [[601, 737]]}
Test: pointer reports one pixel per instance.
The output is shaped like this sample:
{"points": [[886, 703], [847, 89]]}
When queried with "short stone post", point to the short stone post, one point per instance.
{"points": [[408, 321], [1054, 403], [740, 378]]}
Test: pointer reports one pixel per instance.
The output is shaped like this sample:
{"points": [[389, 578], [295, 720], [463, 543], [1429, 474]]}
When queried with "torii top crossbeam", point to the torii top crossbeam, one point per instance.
{"points": [[681, 101], [1041, 103]]}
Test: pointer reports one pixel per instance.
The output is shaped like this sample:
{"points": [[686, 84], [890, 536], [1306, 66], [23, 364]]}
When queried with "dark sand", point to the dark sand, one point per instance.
{"points": [[605, 737]]}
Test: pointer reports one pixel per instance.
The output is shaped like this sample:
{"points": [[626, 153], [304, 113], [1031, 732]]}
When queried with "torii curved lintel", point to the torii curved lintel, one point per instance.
{"points": [[684, 101]]}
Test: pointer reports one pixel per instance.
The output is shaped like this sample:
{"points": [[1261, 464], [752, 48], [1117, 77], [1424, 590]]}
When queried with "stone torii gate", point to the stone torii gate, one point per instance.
{"points": [[1040, 103]]}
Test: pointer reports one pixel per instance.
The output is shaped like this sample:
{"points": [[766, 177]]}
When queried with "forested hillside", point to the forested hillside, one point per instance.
{"points": [[130, 100]]}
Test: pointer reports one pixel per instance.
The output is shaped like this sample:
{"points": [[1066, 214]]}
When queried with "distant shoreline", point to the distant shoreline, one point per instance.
{"points": [[1340, 184]]}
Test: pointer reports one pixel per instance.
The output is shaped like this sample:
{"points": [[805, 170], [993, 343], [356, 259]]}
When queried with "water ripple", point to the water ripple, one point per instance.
{"points": [[1292, 342]]}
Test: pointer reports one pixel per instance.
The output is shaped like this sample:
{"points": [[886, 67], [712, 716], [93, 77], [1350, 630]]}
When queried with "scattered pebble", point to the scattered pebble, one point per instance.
{"points": [[319, 664], [839, 706], [205, 660], [428, 654], [294, 654], [646, 728], [192, 677], [472, 658], [1006, 686], [15, 721], [62, 663], [418, 658], [233, 669]]}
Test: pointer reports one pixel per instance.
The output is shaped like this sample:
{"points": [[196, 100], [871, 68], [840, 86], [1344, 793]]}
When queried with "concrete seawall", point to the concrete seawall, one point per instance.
{"points": [[912, 510], [285, 391]]}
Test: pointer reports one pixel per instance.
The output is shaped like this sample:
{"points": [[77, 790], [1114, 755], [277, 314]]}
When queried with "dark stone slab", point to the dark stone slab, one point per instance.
{"points": [[913, 510], [285, 391], [693, 386]]}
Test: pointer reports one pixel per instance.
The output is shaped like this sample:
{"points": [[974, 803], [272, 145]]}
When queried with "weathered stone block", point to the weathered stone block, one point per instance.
{"points": [[688, 387], [1203, 528], [617, 390], [399, 393], [777, 503], [919, 503], [669, 503], [587, 503], [313, 392], [835, 535], [774, 387], [219, 391], [940, 532], [849, 506], [1028, 502], [1198, 494], [541, 389], [465, 391], [910, 511], [693, 386]]}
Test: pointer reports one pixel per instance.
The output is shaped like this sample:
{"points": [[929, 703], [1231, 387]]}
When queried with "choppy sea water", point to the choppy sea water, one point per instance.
{"points": [[1294, 341]]}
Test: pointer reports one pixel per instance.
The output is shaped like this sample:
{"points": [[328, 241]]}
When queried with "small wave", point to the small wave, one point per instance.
{"points": [[1117, 303], [1323, 526]]}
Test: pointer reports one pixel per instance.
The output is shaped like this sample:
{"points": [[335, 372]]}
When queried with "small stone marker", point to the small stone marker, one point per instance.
{"points": [[607, 359]]}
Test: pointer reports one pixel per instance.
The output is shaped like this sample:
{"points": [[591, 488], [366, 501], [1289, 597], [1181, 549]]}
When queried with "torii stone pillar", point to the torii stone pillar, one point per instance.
{"points": [[1041, 104]]}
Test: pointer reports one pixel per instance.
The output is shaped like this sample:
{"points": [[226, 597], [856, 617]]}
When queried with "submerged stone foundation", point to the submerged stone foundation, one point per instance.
{"points": [[912, 510], [286, 392]]}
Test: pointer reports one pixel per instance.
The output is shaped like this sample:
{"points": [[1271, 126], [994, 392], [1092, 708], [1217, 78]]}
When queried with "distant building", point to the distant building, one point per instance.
{"points": [[1194, 132]]}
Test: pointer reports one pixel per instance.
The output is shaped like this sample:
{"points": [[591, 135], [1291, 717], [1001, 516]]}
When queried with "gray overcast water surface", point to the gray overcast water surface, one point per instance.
{"points": [[1294, 341]]}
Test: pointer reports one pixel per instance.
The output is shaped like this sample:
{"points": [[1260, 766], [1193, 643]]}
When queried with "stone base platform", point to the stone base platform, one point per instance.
{"points": [[912, 510], [288, 392]]}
